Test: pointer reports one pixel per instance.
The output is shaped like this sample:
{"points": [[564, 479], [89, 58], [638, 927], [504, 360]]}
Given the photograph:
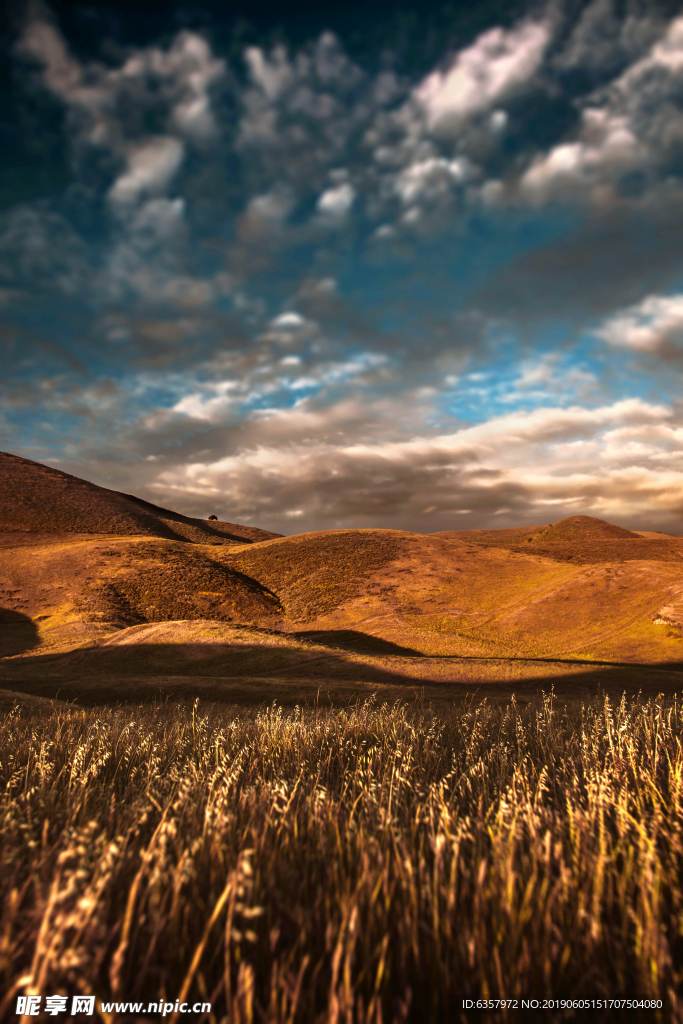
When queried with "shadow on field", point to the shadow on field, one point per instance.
{"points": [[356, 642], [18, 633], [319, 669]]}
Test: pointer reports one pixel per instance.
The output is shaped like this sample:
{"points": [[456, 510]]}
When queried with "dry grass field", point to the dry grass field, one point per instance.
{"points": [[366, 864], [348, 776]]}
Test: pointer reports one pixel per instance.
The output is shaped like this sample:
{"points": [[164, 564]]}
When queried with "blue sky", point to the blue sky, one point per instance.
{"points": [[361, 267]]}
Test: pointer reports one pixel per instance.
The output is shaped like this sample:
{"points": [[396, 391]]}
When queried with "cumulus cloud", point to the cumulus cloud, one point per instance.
{"points": [[136, 122], [630, 136], [596, 461], [309, 284], [315, 132], [607, 146], [298, 112], [151, 166], [499, 62], [335, 203], [654, 325], [431, 179], [606, 37], [180, 78]]}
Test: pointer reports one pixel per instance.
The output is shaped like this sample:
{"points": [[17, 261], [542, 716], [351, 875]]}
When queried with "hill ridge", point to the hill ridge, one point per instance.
{"points": [[580, 528], [36, 497]]}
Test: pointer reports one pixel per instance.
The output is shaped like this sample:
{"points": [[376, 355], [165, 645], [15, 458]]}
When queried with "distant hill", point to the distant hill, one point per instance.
{"points": [[35, 497], [580, 528], [374, 604], [583, 540], [101, 592]]}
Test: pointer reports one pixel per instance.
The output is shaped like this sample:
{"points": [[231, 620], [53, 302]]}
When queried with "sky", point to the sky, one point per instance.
{"points": [[372, 265]]}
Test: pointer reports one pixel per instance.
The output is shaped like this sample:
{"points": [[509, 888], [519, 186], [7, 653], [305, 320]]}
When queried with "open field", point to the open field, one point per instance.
{"points": [[369, 863]]}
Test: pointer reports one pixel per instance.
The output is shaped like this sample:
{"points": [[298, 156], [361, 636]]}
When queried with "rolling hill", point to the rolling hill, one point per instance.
{"points": [[144, 600], [34, 497], [583, 540]]}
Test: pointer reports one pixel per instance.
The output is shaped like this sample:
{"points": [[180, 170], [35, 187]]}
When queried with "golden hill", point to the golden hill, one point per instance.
{"points": [[581, 529], [36, 497], [130, 612], [582, 540]]}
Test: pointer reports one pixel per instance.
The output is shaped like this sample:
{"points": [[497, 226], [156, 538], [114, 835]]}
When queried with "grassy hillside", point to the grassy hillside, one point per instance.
{"points": [[343, 607], [371, 607], [314, 574], [582, 540], [35, 497]]}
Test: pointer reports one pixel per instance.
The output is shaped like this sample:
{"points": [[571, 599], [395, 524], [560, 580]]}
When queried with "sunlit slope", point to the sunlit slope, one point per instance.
{"points": [[583, 540], [75, 588], [421, 596], [453, 597], [35, 497], [318, 574], [581, 529]]}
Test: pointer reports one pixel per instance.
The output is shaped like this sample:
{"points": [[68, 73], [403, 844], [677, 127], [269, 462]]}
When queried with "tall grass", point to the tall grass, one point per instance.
{"points": [[375, 863]]}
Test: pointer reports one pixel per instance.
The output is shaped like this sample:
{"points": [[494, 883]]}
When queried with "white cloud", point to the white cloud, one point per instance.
{"points": [[200, 406], [606, 147], [665, 55], [335, 203], [653, 325], [224, 400], [266, 213], [431, 179], [106, 112], [625, 459], [633, 125], [605, 38], [151, 167], [548, 379], [148, 259], [180, 76], [498, 121], [62, 73], [289, 328], [272, 73], [497, 63], [285, 95], [288, 319]]}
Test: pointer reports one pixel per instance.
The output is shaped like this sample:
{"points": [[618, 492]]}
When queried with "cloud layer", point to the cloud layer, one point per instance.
{"points": [[302, 292]]}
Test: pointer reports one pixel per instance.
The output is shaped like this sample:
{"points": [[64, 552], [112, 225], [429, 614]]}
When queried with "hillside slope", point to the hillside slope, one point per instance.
{"points": [[352, 605], [35, 497], [582, 540]]}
